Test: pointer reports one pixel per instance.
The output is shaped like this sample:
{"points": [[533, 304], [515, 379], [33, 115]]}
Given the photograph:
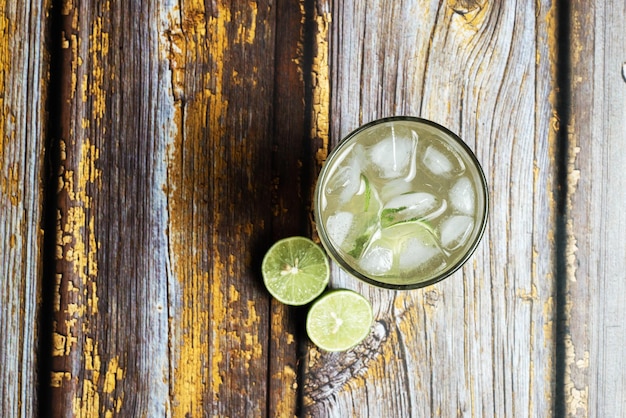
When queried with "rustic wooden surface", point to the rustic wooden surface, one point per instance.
{"points": [[594, 342], [481, 342], [23, 68], [151, 152]]}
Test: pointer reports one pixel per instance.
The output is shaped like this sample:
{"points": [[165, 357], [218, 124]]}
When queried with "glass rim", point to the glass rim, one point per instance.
{"points": [[340, 260]]}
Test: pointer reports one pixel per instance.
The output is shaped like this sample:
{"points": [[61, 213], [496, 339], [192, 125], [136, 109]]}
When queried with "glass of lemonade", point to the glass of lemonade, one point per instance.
{"points": [[401, 203]]}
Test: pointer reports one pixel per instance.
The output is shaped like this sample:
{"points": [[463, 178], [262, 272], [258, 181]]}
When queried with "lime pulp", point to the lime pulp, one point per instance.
{"points": [[295, 270], [339, 320]]}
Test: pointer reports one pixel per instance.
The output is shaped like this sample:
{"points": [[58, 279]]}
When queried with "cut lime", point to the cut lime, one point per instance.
{"points": [[413, 227], [352, 225], [339, 320], [295, 270], [367, 193]]}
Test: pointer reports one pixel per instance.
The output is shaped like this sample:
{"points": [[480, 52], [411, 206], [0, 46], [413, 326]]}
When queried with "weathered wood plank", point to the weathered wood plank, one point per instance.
{"points": [[110, 331], [290, 175], [220, 197], [480, 343], [594, 352], [23, 67], [183, 155], [190, 135]]}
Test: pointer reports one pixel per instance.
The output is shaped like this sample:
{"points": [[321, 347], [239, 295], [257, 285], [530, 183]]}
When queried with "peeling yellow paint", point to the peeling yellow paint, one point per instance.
{"points": [[548, 326], [548, 309], [57, 378], [93, 401], [98, 49], [10, 182], [191, 368], [246, 30], [73, 44], [289, 373], [8, 123], [320, 94], [218, 315], [576, 389], [70, 339], [526, 296], [113, 375], [5, 62], [233, 294], [321, 87], [73, 309], [287, 403], [87, 405], [66, 7], [253, 320], [84, 88], [194, 37], [579, 24], [75, 299], [81, 254], [58, 344], [76, 249], [71, 288], [577, 395]]}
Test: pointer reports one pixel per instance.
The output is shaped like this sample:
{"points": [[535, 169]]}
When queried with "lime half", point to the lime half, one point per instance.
{"points": [[339, 320], [295, 270]]}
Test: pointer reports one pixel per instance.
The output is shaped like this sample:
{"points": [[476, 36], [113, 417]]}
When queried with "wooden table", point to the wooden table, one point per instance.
{"points": [[152, 151]]}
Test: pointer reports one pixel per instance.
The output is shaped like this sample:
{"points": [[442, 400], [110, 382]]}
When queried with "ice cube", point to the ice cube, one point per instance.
{"points": [[339, 226], [412, 206], [345, 181], [443, 161], [394, 156], [416, 253], [378, 259], [455, 231], [394, 188], [462, 196], [352, 227]]}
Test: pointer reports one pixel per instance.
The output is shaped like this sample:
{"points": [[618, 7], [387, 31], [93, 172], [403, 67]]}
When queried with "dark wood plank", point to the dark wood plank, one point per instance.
{"points": [[291, 163], [23, 74], [480, 343], [164, 210], [110, 331], [594, 341]]}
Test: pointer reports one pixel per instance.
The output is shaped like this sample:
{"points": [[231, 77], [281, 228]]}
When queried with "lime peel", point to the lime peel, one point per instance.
{"points": [[295, 270], [339, 320]]}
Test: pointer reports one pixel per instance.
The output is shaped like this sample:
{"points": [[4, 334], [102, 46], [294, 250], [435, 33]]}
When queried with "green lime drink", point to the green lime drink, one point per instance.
{"points": [[401, 203]]}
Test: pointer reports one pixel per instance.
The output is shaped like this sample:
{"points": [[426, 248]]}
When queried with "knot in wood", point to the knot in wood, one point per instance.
{"points": [[432, 297], [331, 371], [464, 7]]}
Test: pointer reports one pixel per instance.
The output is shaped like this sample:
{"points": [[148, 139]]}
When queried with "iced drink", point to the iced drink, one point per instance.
{"points": [[401, 202]]}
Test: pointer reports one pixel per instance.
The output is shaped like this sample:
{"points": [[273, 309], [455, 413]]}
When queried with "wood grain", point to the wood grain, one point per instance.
{"points": [[23, 67], [291, 173], [594, 341], [151, 152], [109, 338], [181, 158], [480, 343]]}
